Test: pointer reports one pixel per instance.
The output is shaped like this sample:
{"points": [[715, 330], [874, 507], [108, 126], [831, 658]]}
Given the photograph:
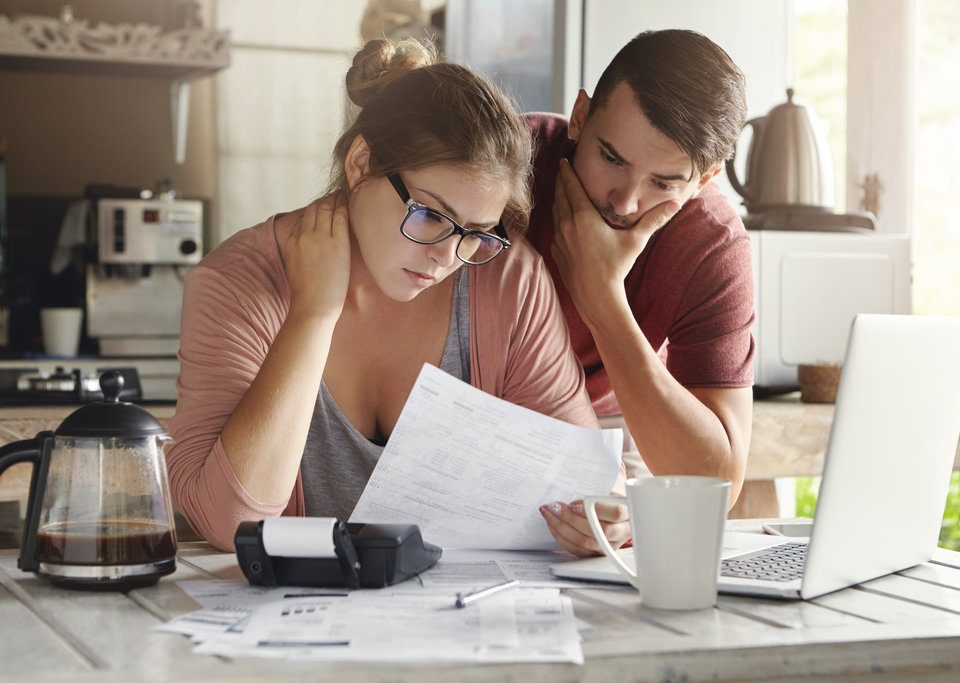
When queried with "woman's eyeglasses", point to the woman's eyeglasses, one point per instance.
{"points": [[424, 225]]}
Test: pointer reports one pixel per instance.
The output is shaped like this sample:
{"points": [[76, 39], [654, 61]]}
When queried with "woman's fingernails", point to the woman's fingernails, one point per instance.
{"points": [[577, 506], [556, 508]]}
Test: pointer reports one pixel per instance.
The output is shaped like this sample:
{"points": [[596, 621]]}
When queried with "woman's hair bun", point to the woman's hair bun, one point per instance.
{"points": [[380, 62]]}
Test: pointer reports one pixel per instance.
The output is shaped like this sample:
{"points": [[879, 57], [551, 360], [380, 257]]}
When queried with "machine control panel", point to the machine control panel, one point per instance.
{"points": [[140, 231]]}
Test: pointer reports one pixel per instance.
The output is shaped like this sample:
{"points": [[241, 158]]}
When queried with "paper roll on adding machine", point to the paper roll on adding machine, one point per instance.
{"points": [[325, 552]]}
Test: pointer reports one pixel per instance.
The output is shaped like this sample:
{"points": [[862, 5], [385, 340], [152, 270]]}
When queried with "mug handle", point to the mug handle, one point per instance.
{"points": [[590, 508]]}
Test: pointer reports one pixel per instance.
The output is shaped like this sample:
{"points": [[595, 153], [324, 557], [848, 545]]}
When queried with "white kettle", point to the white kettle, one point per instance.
{"points": [[788, 162]]}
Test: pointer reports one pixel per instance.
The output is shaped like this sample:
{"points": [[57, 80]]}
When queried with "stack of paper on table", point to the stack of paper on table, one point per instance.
{"points": [[413, 622]]}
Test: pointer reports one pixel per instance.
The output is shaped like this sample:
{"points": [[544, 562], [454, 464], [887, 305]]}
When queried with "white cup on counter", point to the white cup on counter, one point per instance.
{"points": [[677, 526], [61, 330]]}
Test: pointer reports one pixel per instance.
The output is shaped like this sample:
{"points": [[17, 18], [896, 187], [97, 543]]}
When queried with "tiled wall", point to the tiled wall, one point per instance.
{"points": [[281, 103]]}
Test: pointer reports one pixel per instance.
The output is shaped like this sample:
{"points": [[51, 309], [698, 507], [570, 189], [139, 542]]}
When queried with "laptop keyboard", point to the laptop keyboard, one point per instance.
{"points": [[782, 562]]}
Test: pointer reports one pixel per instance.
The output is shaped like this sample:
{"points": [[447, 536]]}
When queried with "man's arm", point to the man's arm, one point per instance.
{"points": [[677, 430]]}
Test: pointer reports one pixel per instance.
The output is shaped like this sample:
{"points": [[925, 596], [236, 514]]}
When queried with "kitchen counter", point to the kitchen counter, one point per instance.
{"points": [[789, 440], [24, 422]]}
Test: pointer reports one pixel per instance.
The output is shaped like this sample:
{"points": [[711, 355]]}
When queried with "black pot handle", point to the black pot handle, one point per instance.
{"points": [[32, 451], [19, 451]]}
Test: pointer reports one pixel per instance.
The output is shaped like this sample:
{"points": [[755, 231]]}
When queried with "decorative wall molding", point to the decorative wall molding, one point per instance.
{"points": [[43, 36]]}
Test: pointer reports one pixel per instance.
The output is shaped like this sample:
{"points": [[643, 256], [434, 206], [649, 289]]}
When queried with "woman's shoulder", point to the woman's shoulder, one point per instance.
{"points": [[510, 284], [240, 288], [250, 248], [248, 260], [241, 281], [517, 268]]}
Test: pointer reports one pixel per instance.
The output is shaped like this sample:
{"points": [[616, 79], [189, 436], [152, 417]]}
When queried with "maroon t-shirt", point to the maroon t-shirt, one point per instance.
{"points": [[691, 289]]}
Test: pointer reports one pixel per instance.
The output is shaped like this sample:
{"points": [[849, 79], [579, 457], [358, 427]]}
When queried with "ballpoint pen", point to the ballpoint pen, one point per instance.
{"points": [[470, 598]]}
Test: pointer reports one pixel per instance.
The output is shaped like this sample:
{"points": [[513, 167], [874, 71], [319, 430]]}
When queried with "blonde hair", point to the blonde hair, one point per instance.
{"points": [[416, 110]]}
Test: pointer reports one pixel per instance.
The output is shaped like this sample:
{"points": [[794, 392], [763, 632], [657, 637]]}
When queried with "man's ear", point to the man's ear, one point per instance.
{"points": [[578, 117], [356, 165], [709, 174]]}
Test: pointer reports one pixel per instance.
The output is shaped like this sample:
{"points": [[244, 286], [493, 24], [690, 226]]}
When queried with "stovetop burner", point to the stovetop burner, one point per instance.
{"points": [[30, 386]]}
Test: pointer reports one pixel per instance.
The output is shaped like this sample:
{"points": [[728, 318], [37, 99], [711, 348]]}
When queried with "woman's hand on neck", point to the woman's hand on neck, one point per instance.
{"points": [[316, 257]]}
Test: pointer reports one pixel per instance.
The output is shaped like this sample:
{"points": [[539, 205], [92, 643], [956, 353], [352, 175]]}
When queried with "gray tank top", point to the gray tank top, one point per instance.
{"points": [[338, 460]]}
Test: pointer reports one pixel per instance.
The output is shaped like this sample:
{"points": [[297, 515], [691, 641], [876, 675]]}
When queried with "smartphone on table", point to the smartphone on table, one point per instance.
{"points": [[796, 529]]}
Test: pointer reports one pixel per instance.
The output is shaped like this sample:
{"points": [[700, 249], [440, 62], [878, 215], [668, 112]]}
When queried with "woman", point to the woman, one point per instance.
{"points": [[302, 337]]}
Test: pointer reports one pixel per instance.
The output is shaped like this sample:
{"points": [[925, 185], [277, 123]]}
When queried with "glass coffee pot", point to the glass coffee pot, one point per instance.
{"points": [[99, 513]]}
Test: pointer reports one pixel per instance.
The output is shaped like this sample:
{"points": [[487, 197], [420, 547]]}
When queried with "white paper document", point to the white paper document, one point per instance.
{"points": [[472, 470], [386, 625], [468, 570], [528, 625], [226, 604]]}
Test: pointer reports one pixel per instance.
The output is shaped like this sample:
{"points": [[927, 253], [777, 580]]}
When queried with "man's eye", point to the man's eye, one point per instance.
{"points": [[665, 187], [609, 158], [434, 216]]}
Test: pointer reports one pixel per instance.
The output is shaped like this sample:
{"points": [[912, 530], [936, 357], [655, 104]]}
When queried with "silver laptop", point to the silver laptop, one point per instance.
{"points": [[885, 477]]}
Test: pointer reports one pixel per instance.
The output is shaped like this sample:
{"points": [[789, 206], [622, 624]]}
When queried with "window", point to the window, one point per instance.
{"points": [[920, 81], [820, 76], [836, 38], [936, 234]]}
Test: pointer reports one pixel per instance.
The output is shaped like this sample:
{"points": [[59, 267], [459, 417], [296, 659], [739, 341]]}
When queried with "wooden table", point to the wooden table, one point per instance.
{"points": [[904, 627]]}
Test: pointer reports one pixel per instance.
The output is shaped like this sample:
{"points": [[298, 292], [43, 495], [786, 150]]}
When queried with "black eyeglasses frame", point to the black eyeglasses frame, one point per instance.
{"points": [[500, 233]]}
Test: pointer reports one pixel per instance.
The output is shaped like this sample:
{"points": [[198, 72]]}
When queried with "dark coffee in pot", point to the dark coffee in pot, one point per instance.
{"points": [[108, 542]]}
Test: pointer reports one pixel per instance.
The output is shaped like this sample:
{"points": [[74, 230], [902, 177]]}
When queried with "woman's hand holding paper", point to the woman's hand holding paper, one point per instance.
{"points": [[568, 524]]}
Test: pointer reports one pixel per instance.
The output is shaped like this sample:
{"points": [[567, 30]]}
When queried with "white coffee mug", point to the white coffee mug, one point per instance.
{"points": [[677, 524], [61, 330]]}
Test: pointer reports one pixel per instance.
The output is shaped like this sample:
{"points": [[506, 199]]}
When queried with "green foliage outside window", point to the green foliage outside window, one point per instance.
{"points": [[950, 529], [807, 488]]}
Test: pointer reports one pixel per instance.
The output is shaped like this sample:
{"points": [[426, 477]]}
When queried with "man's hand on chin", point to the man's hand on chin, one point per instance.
{"points": [[593, 257]]}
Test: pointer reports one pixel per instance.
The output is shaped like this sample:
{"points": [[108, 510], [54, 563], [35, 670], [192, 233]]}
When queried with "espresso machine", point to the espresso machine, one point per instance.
{"points": [[135, 272]]}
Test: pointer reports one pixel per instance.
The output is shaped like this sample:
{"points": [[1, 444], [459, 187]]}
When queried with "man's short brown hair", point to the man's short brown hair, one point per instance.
{"points": [[688, 88]]}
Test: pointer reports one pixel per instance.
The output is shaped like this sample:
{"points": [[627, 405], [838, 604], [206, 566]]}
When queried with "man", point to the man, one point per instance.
{"points": [[651, 262]]}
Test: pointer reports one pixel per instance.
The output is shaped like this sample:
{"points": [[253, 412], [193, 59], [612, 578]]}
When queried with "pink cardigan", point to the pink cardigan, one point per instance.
{"points": [[236, 301]]}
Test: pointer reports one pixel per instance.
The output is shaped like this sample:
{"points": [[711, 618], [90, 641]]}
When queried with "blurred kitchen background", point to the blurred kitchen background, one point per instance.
{"points": [[138, 134]]}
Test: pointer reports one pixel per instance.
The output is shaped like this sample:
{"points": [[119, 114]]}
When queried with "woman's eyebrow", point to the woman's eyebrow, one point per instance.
{"points": [[453, 214]]}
